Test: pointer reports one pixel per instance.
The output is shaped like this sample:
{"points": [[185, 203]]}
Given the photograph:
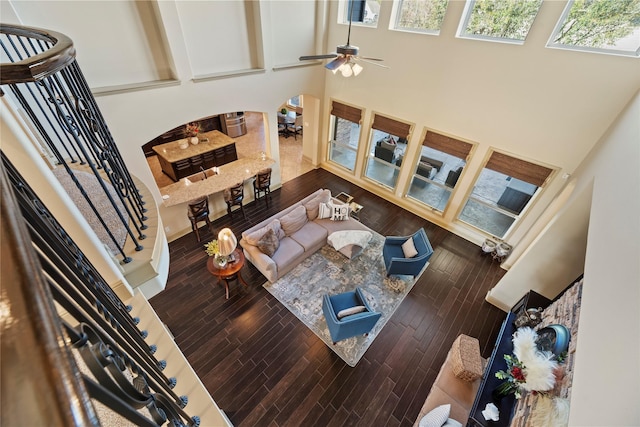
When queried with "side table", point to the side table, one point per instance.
{"points": [[231, 271]]}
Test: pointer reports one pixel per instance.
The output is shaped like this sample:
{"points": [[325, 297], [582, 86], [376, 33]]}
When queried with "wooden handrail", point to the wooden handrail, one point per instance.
{"points": [[41, 384], [41, 65]]}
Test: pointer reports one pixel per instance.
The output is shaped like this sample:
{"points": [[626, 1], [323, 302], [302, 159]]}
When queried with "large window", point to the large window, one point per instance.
{"points": [[606, 26], [438, 169], [420, 15], [387, 143], [502, 192], [499, 20], [345, 133], [364, 12]]}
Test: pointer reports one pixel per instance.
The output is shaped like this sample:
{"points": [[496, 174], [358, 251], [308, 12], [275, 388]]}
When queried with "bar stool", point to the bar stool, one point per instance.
{"points": [[233, 196], [261, 183], [198, 211]]}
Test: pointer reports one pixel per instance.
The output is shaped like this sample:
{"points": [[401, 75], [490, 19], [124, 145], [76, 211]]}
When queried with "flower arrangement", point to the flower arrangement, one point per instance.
{"points": [[211, 248], [192, 129], [528, 368]]}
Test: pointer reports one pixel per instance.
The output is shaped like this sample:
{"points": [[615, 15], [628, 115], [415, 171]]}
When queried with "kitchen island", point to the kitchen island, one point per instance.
{"points": [[213, 180], [214, 149]]}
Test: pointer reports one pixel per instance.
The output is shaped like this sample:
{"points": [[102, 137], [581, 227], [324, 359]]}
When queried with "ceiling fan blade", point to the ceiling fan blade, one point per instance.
{"points": [[336, 63], [324, 56], [370, 59], [367, 60]]}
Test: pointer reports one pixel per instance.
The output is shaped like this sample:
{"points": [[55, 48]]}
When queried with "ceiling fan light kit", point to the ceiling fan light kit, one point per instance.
{"points": [[344, 60]]}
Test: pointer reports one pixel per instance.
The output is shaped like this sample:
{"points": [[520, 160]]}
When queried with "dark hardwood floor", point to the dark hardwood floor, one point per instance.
{"points": [[263, 367]]}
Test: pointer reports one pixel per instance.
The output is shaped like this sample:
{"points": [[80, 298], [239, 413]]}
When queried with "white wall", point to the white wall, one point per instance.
{"points": [[105, 61], [606, 390]]}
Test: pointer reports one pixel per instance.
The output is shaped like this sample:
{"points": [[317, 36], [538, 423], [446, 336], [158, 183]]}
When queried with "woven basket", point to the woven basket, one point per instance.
{"points": [[466, 362]]}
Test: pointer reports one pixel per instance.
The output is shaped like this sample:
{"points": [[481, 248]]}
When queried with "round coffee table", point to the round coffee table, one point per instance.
{"points": [[231, 271]]}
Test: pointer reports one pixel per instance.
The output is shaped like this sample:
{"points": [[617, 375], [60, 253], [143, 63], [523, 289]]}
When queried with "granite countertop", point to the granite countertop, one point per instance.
{"points": [[172, 152], [228, 175]]}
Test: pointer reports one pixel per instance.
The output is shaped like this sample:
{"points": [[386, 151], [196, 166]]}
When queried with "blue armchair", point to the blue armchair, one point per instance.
{"points": [[348, 326], [397, 263]]}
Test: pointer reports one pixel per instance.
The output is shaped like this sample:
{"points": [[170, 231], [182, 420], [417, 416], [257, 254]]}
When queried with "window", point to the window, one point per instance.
{"points": [[420, 15], [345, 133], [436, 174], [502, 192], [387, 143], [605, 26], [294, 102], [498, 20], [364, 12]]}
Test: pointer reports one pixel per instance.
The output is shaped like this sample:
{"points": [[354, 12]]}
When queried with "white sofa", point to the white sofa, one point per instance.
{"points": [[297, 245]]}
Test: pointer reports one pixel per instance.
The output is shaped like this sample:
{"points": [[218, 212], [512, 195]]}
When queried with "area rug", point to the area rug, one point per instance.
{"points": [[329, 272]]}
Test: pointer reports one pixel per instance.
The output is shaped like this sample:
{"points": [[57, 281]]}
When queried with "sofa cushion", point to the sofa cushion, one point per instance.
{"points": [[409, 248], [294, 220], [254, 236], [436, 417], [312, 205], [438, 396], [324, 211], [351, 310], [289, 252], [339, 212], [268, 243], [311, 236], [463, 392]]}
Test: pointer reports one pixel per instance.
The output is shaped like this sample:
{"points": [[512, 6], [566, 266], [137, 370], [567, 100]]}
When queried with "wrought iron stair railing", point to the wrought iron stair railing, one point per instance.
{"points": [[39, 72], [76, 314]]}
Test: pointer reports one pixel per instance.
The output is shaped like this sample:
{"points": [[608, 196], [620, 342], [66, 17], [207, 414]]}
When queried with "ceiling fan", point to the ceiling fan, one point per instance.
{"points": [[345, 57]]}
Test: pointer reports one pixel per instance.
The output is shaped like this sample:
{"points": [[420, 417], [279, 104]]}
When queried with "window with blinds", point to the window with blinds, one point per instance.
{"points": [[436, 174], [345, 134], [503, 191], [387, 144]]}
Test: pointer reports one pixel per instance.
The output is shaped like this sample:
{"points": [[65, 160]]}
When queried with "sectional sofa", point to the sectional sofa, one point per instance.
{"points": [[279, 243]]}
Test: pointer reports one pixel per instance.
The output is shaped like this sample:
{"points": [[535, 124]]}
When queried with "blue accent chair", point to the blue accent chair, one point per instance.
{"points": [[394, 258], [352, 325]]}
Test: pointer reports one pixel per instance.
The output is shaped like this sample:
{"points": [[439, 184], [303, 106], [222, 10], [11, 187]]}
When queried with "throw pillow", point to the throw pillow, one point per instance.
{"points": [[312, 205], [436, 417], [351, 310], [324, 211], [294, 220], [339, 212], [253, 237], [269, 243], [409, 249]]}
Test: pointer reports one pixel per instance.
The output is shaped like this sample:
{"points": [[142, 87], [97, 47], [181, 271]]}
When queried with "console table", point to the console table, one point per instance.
{"points": [[504, 345], [178, 162]]}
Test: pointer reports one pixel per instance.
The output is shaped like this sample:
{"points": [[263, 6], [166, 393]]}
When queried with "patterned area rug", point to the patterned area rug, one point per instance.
{"points": [[329, 272]]}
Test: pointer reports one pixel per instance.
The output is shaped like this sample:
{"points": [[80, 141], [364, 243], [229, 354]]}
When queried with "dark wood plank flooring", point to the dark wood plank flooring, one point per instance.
{"points": [[263, 367]]}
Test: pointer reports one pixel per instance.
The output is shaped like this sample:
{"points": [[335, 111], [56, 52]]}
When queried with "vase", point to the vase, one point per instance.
{"points": [[194, 140], [504, 389], [221, 261]]}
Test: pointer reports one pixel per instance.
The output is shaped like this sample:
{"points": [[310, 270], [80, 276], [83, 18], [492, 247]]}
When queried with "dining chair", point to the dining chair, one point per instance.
{"points": [[262, 183], [198, 211], [233, 196], [295, 128]]}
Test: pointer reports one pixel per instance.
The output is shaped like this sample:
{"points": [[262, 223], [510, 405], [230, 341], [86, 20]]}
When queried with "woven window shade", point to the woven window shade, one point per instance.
{"points": [[519, 169], [391, 126], [346, 112], [448, 145]]}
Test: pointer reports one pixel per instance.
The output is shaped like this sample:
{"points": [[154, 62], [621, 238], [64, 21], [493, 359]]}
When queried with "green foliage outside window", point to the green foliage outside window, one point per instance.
{"points": [[422, 14], [599, 23], [507, 19]]}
